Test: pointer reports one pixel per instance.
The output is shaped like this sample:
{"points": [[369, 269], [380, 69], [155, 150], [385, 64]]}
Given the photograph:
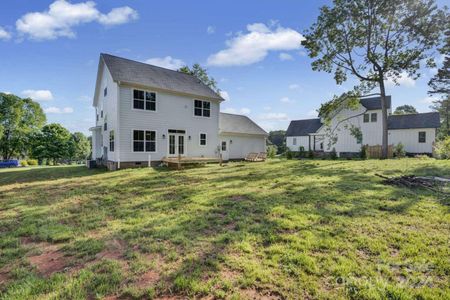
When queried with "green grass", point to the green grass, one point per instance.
{"points": [[282, 229]]}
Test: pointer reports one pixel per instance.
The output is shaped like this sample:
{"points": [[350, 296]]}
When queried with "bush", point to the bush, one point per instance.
{"points": [[289, 154], [399, 150], [32, 162], [311, 154], [333, 154], [363, 153], [23, 163], [442, 148], [271, 151]]}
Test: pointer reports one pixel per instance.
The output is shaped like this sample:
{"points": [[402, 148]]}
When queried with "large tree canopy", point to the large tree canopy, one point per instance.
{"points": [[202, 75], [374, 40], [18, 119], [53, 142], [405, 109], [79, 147]]}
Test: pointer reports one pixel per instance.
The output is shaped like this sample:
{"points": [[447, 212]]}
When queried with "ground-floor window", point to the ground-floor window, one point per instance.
{"points": [[422, 137], [294, 141], [111, 141], [144, 141], [202, 139], [224, 145]]}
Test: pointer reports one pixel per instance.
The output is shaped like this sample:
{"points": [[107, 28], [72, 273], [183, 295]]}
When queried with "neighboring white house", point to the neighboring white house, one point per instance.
{"points": [[145, 113], [417, 132]]}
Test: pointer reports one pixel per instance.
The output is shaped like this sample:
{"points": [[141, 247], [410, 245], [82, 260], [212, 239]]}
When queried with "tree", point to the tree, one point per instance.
{"points": [[52, 143], [79, 146], [19, 118], [374, 40], [202, 75], [443, 108], [277, 138], [405, 109]]}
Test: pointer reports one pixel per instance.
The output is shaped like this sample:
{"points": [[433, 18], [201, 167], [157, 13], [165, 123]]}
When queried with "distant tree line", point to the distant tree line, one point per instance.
{"points": [[24, 134]]}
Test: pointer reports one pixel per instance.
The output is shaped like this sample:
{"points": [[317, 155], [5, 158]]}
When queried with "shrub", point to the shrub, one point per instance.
{"points": [[32, 162], [442, 148], [289, 154], [23, 163], [333, 154], [271, 151], [311, 154], [363, 153], [399, 150]]}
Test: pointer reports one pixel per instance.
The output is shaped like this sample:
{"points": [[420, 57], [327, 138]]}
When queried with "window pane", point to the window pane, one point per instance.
{"points": [[150, 146], [138, 135], [422, 137], [150, 135], [138, 146], [224, 146], [138, 104], [198, 111], [198, 104], [138, 94], [206, 104], [366, 118], [373, 117], [171, 144], [150, 105], [206, 112], [180, 144], [150, 96]]}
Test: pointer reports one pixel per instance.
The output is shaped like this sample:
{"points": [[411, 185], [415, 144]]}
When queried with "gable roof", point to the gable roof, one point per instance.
{"points": [[134, 72], [231, 123], [303, 127], [423, 120], [374, 103]]}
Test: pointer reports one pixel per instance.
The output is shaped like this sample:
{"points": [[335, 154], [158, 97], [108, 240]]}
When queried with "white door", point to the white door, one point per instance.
{"points": [[176, 144], [224, 150]]}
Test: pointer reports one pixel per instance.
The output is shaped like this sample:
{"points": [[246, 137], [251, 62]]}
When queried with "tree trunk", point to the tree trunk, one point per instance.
{"points": [[384, 116]]}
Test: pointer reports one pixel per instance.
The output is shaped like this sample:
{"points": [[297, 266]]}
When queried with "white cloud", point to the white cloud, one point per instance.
{"points": [[210, 30], [286, 100], [38, 95], [253, 46], [285, 56], [167, 62], [242, 111], [118, 15], [402, 80], [294, 86], [225, 95], [4, 35], [273, 117], [62, 16], [57, 110], [7, 93], [267, 108]]}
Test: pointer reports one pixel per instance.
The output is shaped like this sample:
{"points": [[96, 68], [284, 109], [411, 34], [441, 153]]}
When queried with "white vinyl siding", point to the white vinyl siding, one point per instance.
{"points": [[241, 145]]}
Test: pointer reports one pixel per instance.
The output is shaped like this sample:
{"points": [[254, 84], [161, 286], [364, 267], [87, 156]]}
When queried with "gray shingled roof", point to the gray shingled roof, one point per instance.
{"points": [[303, 127], [135, 72], [231, 123], [374, 102], [424, 120]]}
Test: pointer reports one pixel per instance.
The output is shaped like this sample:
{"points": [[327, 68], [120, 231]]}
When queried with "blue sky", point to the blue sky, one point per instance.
{"points": [[50, 49]]}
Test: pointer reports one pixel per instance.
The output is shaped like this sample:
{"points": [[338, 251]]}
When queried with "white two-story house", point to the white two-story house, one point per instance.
{"points": [[145, 113], [417, 132]]}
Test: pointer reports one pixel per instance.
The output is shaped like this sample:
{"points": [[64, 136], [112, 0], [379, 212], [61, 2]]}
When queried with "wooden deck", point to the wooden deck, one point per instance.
{"points": [[177, 162]]}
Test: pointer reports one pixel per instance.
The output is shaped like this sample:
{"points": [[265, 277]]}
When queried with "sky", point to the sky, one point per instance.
{"points": [[49, 51]]}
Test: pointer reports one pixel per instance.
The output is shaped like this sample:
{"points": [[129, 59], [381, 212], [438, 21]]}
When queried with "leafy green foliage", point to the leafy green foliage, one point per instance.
{"points": [[440, 83], [442, 148], [202, 75], [278, 138], [405, 109], [271, 151], [399, 150], [19, 118], [443, 108], [79, 147], [52, 143]]}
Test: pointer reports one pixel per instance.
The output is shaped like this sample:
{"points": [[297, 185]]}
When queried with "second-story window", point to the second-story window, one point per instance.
{"points": [[105, 125], [101, 113], [366, 118], [105, 92], [202, 108], [144, 100], [294, 141], [373, 117]]}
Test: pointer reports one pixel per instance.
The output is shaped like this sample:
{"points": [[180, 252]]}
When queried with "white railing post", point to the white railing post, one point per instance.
{"points": [[149, 160]]}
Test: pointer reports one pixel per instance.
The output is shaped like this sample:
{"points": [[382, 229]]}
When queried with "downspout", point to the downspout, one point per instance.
{"points": [[118, 124]]}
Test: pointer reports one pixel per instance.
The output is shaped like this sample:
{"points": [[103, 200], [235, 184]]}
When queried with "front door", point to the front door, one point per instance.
{"points": [[224, 150], [176, 144]]}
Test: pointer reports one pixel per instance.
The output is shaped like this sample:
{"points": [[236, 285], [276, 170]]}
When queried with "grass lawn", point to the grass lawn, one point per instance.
{"points": [[274, 230]]}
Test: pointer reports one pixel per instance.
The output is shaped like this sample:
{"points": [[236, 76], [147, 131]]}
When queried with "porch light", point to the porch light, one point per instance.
{"points": [[189, 137], [164, 136], [231, 141]]}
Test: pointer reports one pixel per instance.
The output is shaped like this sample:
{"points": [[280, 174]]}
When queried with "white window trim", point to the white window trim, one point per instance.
{"points": [[418, 137], [200, 139], [201, 117], [144, 110], [132, 141]]}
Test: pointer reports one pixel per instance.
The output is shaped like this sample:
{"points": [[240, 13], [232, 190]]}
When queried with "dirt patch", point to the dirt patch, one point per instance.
{"points": [[51, 260], [254, 294], [147, 279], [239, 198], [115, 249]]}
